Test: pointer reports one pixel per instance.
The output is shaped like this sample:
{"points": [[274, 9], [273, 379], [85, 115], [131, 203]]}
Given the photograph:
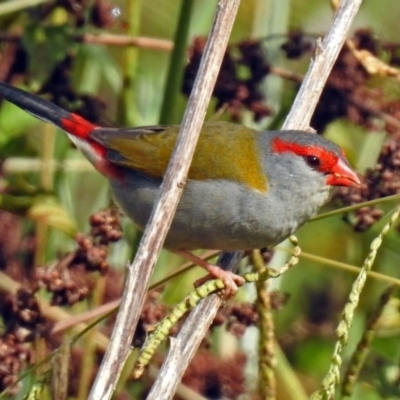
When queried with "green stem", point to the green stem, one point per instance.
{"points": [[175, 71], [266, 342], [348, 267], [46, 182], [394, 197], [287, 377], [127, 114], [17, 5]]}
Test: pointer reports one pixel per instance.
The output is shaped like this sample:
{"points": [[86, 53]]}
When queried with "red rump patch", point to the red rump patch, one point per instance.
{"points": [[81, 128], [327, 159], [77, 126]]}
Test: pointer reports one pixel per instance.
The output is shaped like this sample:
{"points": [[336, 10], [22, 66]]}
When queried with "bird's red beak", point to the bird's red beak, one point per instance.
{"points": [[343, 175]]}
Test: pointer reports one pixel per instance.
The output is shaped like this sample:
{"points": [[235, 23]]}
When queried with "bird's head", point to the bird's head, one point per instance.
{"points": [[315, 155], [303, 167]]}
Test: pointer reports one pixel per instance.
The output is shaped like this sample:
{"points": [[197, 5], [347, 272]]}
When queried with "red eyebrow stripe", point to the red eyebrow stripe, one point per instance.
{"points": [[327, 158]]}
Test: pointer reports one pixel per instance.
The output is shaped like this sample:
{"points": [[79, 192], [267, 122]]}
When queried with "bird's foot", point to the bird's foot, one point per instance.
{"points": [[231, 281]]}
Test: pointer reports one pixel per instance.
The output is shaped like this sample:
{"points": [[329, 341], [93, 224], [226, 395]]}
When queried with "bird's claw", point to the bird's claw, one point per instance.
{"points": [[231, 281]]}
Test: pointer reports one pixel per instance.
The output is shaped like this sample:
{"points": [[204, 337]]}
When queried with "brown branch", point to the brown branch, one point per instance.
{"points": [[286, 74], [107, 39], [8, 7], [140, 270], [125, 40]]}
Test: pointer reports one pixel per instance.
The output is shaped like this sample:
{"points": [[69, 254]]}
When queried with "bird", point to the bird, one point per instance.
{"points": [[246, 189]]}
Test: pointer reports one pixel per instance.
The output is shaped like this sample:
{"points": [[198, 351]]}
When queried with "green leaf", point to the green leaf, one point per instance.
{"points": [[14, 122], [93, 67], [47, 210]]}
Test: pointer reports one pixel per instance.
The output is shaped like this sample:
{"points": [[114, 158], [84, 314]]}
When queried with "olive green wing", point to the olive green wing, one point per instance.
{"points": [[224, 151]]}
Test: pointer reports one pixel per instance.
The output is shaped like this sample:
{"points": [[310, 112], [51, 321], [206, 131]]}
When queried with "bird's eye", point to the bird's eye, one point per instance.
{"points": [[312, 161]]}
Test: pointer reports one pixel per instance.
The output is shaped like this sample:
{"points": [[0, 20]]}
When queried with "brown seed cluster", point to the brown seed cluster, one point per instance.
{"points": [[93, 249], [106, 226], [381, 181], [238, 85], [23, 322], [343, 94], [68, 279], [237, 317], [14, 356], [67, 285], [217, 378], [297, 44], [22, 316]]}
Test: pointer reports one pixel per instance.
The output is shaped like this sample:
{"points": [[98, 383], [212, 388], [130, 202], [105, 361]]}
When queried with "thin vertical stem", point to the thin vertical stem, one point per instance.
{"points": [[176, 63]]}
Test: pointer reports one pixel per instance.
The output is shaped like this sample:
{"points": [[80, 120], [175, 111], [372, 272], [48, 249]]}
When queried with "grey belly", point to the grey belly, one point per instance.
{"points": [[210, 215]]}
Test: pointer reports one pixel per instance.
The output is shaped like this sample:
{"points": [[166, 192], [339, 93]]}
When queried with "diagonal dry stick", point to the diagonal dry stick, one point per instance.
{"points": [[189, 338], [140, 270]]}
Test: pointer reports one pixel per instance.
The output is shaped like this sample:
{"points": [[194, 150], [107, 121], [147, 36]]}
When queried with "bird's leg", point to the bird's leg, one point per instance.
{"points": [[232, 281]]}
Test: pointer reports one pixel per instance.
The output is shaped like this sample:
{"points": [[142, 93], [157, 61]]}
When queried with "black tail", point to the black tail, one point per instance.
{"points": [[35, 105]]}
